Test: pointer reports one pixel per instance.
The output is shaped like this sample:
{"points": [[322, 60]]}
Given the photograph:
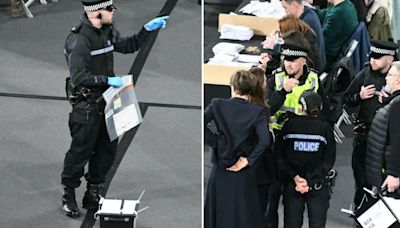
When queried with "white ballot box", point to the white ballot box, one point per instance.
{"points": [[117, 213]]}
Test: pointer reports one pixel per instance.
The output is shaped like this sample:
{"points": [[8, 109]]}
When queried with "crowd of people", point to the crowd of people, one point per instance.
{"points": [[273, 136]]}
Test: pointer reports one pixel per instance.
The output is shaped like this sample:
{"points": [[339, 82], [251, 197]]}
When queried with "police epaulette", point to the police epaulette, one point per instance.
{"points": [[76, 28]]}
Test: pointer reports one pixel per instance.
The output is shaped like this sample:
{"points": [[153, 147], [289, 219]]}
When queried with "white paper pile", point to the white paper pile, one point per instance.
{"points": [[271, 9], [244, 58], [236, 32], [227, 54], [227, 48]]}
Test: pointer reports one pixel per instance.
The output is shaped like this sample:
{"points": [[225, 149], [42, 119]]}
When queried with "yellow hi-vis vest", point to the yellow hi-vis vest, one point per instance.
{"points": [[291, 103]]}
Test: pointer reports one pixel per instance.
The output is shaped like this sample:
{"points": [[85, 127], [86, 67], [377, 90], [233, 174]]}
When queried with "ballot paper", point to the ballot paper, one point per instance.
{"points": [[236, 32], [271, 9], [227, 48], [122, 111]]}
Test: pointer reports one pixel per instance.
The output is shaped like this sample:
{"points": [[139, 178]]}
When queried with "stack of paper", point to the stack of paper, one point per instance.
{"points": [[227, 48], [248, 58], [236, 32], [273, 9]]}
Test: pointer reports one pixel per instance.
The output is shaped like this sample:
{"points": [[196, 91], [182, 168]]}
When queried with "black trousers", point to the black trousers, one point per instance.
{"points": [[294, 202], [90, 144], [274, 194], [358, 165]]}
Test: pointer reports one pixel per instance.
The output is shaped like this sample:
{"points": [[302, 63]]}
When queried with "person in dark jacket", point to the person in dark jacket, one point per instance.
{"points": [[382, 165], [284, 90], [306, 151], [264, 172], [241, 139], [310, 17], [364, 92], [338, 23], [89, 53]]}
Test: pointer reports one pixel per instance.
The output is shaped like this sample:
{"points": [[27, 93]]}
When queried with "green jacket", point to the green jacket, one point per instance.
{"points": [[338, 23], [379, 26]]}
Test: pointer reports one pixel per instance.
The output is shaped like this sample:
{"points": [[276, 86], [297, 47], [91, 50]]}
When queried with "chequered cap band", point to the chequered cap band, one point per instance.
{"points": [[98, 6], [289, 52], [382, 51]]}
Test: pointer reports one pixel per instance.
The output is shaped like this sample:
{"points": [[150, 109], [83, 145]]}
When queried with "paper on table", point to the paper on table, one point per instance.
{"points": [[244, 58]]}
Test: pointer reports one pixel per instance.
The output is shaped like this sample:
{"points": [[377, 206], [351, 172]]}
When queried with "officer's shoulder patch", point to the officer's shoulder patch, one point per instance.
{"points": [[76, 28]]}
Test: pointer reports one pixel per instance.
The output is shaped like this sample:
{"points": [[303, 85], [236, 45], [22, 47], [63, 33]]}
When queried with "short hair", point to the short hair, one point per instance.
{"points": [[290, 1]]}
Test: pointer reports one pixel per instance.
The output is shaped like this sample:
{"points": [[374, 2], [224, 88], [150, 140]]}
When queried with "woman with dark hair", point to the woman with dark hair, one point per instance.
{"points": [[240, 139], [266, 168], [290, 23]]}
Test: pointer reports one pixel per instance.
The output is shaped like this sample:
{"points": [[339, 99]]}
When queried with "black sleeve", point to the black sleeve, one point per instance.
{"points": [[325, 102], [263, 138], [330, 153], [280, 147], [128, 44], [276, 98], [352, 93], [393, 165], [77, 51], [209, 137]]}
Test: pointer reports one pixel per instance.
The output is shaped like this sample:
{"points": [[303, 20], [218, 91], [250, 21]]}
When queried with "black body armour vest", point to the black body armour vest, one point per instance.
{"points": [[378, 147], [370, 106]]}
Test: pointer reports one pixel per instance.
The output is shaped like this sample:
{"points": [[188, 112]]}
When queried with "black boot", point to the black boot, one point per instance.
{"points": [[69, 205], [91, 198]]}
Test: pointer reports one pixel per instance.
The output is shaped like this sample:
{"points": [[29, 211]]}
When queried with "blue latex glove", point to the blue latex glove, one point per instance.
{"points": [[156, 23], [114, 81]]}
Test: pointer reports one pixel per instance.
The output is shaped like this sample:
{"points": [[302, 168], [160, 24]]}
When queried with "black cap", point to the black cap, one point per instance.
{"points": [[94, 5], [381, 48], [292, 52], [310, 100]]}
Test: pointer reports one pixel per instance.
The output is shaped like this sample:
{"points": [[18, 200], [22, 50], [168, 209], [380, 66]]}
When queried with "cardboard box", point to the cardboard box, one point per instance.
{"points": [[262, 26]]}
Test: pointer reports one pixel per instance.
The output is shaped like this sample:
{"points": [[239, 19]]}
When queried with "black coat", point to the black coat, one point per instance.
{"points": [[232, 197], [352, 98]]}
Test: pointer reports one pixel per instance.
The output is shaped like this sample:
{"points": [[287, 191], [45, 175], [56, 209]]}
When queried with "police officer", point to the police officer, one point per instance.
{"points": [[285, 89], [89, 53], [382, 166], [364, 91], [307, 151]]}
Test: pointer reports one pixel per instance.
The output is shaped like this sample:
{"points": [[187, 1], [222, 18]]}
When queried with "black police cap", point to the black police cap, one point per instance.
{"points": [[310, 100], [292, 52], [381, 48], [94, 5]]}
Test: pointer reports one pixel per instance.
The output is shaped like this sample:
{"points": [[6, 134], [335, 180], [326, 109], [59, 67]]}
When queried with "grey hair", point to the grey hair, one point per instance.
{"points": [[396, 65]]}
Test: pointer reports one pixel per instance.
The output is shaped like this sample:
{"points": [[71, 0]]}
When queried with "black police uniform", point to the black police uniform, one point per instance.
{"points": [[306, 147], [276, 100], [89, 53], [367, 110]]}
